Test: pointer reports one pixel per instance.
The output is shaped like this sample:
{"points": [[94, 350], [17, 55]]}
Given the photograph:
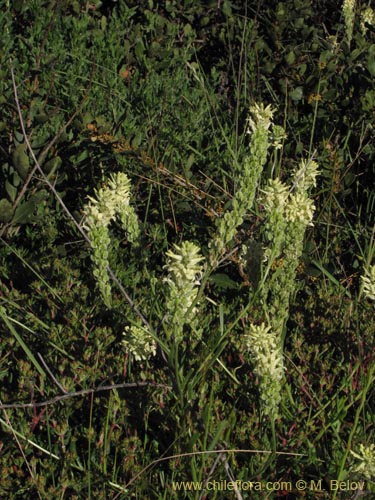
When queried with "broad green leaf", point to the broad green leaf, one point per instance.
{"points": [[16, 180], [21, 161], [24, 212], [11, 190], [18, 136], [371, 64], [290, 57], [6, 210], [297, 94], [52, 165], [223, 281]]}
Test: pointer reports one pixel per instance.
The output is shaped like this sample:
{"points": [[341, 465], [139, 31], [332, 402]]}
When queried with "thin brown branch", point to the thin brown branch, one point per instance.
{"points": [[83, 392], [62, 389], [206, 452], [209, 475], [230, 476]]}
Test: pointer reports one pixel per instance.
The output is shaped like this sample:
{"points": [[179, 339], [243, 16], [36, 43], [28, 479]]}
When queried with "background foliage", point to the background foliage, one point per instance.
{"points": [[161, 91]]}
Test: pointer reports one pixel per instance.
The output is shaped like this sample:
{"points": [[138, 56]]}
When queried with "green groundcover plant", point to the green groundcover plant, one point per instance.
{"points": [[187, 285]]}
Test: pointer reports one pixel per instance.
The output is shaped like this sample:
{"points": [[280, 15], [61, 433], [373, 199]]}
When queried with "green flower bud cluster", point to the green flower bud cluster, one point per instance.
{"points": [[367, 17], [368, 282], [260, 118], [259, 123], [305, 176], [139, 342], [278, 136], [366, 456], [288, 213], [348, 10], [110, 201], [300, 209], [184, 274], [275, 198], [265, 352]]}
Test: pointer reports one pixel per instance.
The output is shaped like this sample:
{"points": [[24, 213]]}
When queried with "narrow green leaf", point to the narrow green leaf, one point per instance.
{"points": [[24, 346]]}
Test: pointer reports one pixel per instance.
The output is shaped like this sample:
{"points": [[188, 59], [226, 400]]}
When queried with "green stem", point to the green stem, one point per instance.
{"points": [[370, 380], [314, 122]]}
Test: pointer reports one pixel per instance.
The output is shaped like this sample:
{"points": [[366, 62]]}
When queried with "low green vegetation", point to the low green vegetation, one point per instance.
{"points": [[187, 240]]}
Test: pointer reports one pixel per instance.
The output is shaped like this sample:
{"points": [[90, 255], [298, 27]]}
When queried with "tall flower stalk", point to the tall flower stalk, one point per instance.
{"points": [[289, 211], [184, 266], [110, 201], [263, 345], [184, 273], [259, 123], [348, 10]]}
